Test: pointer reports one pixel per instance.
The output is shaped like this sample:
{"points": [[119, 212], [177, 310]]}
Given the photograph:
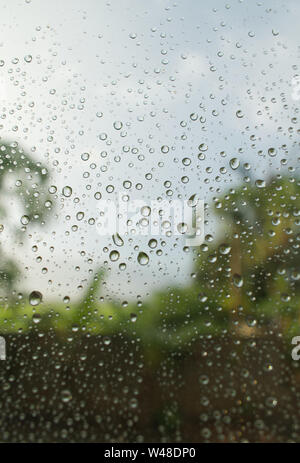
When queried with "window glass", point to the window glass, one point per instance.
{"points": [[149, 221]]}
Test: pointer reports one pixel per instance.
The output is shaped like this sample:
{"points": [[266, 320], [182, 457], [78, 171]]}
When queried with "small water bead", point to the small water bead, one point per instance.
{"points": [[203, 147], [118, 125], [106, 340], [52, 189], [204, 379], [114, 255], [165, 149], [186, 161], [193, 200], [110, 188], [127, 184], [251, 321], [48, 204], [145, 211], [25, 220], [152, 243], [239, 114], [209, 238], [285, 297], [67, 191], [182, 228], [85, 156], [234, 163], [118, 241], [272, 152], [271, 402], [66, 396], [237, 280], [80, 215], [36, 318], [28, 58], [260, 183], [133, 317], [295, 276], [143, 258], [224, 249], [35, 298]]}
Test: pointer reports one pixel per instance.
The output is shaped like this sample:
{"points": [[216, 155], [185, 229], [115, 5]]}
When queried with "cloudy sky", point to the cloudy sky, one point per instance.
{"points": [[120, 80]]}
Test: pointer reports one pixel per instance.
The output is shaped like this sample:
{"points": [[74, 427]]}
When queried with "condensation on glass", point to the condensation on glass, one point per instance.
{"points": [[149, 221]]}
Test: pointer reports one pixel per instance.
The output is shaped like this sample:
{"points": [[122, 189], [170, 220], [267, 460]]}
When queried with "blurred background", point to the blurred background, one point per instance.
{"points": [[139, 337]]}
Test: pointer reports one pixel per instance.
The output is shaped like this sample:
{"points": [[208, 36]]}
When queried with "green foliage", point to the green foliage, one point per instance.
{"points": [[255, 268], [247, 280]]}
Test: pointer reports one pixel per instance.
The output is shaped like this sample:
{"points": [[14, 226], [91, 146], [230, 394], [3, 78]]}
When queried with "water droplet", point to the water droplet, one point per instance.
{"points": [[182, 228], [237, 280], [114, 256], [145, 211], [106, 340], [67, 191], [35, 298], [234, 163], [152, 243], [66, 396], [260, 183], [117, 239], [118, 125], [224, 248], [165, 149], [203, 147], [133, 317], [143, 258], [85, 156], [25, 220], [272, 152], [36, 318]]}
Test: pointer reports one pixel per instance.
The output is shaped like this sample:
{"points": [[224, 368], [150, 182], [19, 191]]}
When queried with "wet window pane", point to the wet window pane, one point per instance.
{"points": [[149, 221]]}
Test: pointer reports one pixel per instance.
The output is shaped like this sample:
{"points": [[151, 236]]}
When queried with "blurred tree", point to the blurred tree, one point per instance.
{"points": [[247, 277], [253, 271], [25, 179]]}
